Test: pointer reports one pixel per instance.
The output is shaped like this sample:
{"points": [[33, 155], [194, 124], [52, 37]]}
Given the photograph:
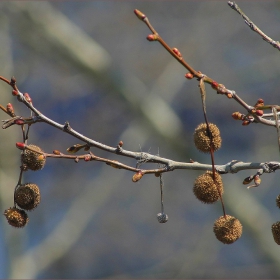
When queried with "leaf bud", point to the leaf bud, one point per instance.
{"points": [[87, 157], [56, 152], [177, 52], [139, 14], [152, 37], [20, 145], [257, 180], [19, 122], [14, 92], [121, 143], [214, 85], [137, 176], [10, 109], [246, 122], [248, 180], [27, 97], [189, 76], [259, 113]]}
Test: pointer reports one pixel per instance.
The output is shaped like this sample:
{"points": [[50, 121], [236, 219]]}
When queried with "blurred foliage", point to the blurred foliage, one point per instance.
{"points": [[88, 62]]}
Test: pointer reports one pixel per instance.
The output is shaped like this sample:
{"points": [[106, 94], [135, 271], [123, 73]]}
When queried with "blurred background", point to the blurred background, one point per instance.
{"points": [[89, 63]]}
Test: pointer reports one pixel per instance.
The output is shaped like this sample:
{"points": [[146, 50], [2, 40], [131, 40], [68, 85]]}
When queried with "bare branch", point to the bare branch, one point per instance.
{"points": [[275, 44]]}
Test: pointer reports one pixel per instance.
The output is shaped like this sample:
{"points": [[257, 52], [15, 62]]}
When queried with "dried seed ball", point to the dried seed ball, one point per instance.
{"points": [[206, 190], [275, 228], [227, 229], [278, 201], [32, 160], [27, 196], [16, 217], [202, 138], [162, 218]]}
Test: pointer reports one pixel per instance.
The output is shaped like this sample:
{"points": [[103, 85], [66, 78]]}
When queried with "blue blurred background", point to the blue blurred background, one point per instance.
{"points": [[89, 63]]}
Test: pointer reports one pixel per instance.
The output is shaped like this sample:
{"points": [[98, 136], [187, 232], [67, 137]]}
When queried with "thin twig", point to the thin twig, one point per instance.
{"points": [[275, 44]]}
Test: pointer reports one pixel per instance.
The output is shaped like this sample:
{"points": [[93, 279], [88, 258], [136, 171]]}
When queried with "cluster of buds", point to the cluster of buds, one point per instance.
{"points": [[221, 89], [245, 118]]}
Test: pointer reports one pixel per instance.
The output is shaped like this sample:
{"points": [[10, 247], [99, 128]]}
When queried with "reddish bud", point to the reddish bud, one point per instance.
{"points": [[19, 122], [259, 103], [14, 92], [139, 14], [27, 97], [152, 37], [10, 109], [229, 95], [246, 122], [189, 76], [214, 85], [121, 143], [259, 112], [87, 157], [20, 145], [56, 152], [177, 52]]}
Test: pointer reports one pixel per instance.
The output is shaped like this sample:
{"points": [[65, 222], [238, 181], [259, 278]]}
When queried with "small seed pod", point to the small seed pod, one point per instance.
{"points": [[202, 138], [275, 228], [32, 160], [16, 217], [27, 196], [278, 201], [206, 190], [162, 218], [227, 229]]}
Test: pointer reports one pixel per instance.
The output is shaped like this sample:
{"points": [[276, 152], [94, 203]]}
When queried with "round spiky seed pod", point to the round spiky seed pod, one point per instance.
{"points": [[16, 217], [27, 196], [162, 218], [202, 137], [32, 160], [275, 228], [227, 229], [206, 190], [278, 201]]}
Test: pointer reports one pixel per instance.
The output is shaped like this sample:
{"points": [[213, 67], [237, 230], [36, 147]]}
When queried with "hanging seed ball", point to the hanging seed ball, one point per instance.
{"points": [[32, 160], [162, 218], [27, 196], [275, 228], [206, 190], [278, 201], [16, 217], [227, 230], [202, 137]]}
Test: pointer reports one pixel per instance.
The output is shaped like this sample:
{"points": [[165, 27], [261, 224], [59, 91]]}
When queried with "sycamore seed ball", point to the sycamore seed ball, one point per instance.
{"points": [[275, 228], [206, 190], [227, 229], [202, 138]]}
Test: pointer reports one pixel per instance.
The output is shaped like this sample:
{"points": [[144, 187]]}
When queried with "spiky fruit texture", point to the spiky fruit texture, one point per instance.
{"points": [[32, 160], [16, 217], [227, 229], [27, 196], [202, 138], [206, 190], [275, 228], [278, 201], [162, 218]]}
